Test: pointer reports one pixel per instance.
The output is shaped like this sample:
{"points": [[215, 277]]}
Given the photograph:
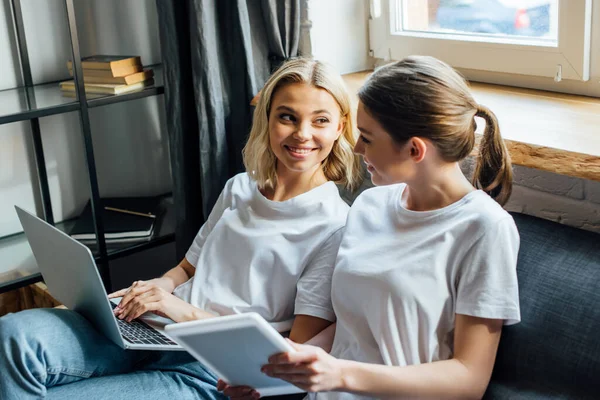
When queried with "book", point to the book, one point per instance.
{"points": [[120, 80], [112, 73], [125, 219], [68, 87], [107, 62]]}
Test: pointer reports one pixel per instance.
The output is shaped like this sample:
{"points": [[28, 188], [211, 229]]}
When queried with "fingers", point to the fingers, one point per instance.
{"points": [[295, 345], [290, 369], [145, 302], [306, 382], [303, 356], [133, 291], [302, 368], [119, 293], [123, 309], [147, 307], [241, 393], [237, 392], [296, 379], [151, 304]]}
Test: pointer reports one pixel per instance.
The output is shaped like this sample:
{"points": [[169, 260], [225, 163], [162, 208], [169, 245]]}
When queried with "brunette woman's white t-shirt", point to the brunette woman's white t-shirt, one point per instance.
{"points": [[273, 258], [401, 276]]}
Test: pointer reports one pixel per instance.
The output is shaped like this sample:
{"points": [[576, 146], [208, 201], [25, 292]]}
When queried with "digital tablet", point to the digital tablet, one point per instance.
{"points": [[234, 348]]}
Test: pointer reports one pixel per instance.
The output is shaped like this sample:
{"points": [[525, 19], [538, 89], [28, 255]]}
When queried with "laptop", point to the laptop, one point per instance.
{"points": [[70, 272]]}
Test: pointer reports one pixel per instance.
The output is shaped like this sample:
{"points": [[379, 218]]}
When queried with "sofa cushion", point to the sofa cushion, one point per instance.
{"points": [[554, 352], [519, 392]]}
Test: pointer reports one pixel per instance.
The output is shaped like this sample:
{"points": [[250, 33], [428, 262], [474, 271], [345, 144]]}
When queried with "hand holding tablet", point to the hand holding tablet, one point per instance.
{"points": [[235, 348]]}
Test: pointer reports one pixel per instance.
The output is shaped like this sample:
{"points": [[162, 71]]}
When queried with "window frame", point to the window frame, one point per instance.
{"points": [[569, 60]]}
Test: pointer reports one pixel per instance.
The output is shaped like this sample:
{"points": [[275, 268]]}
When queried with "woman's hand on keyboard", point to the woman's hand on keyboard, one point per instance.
{"points": [[144, 296], [162, 282]]}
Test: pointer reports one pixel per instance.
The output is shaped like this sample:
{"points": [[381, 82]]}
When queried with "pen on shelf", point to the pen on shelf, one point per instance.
{"points": [[130, 212]]}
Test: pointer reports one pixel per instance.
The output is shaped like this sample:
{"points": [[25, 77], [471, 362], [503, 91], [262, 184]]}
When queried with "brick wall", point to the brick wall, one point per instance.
{"points": [[570, 201]]}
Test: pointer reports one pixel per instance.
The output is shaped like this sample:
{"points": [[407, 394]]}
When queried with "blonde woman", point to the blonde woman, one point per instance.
{"points": [[426, 272], [268, 246]]}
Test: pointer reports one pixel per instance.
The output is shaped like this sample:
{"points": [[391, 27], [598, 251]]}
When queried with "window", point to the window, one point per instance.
{"points": [[548, 38]]}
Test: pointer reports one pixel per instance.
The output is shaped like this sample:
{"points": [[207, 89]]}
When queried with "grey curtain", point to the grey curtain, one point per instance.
{"points": [[216, 54]]}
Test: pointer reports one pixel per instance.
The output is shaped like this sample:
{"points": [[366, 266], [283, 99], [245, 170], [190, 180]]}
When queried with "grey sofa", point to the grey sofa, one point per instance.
{"points": [[554, 352]]}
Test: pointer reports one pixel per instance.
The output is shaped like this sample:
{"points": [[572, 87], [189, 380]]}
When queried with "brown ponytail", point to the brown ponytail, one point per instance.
{"points": [[493, 172]]}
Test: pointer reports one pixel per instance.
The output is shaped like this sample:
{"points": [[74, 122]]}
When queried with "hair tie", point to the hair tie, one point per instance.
{"points": [[481, 111]]}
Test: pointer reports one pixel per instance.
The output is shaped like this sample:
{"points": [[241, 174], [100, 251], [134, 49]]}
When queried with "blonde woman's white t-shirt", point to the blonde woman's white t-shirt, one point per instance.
{"points": [[401, 276], [273, 258]]}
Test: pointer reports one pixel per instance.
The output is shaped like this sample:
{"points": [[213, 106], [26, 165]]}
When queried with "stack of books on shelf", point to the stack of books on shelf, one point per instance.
{"points": [[104, 74], [126, 220]]}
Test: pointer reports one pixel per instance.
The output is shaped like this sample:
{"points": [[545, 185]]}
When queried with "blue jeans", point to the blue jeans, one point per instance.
{"points": [[58, 354]]}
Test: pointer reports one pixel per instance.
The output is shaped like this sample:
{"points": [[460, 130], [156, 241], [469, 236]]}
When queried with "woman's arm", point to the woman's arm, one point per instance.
{"points": [[168, 282], [324, 339], [156, 295], [174, 277], [306, 327], [313, 292], [465, 376], [182, 273]]}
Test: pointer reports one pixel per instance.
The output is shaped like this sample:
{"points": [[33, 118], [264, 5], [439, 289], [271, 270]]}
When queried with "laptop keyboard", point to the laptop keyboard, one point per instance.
{"points": [[138, 332]]}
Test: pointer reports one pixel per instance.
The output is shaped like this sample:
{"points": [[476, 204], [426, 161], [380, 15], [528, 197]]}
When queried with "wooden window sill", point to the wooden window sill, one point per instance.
{"points": [[548, 131]]}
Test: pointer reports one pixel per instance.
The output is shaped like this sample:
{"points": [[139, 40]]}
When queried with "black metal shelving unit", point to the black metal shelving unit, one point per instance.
{"points": [[32, 102]]}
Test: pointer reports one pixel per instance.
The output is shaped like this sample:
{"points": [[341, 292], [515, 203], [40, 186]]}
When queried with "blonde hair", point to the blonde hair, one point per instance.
{"points": [[341, 165], [424, 97]]}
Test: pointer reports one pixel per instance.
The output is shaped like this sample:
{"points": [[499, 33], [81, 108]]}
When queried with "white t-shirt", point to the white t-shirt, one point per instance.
{"points": [[401, 276], [272, 258]]}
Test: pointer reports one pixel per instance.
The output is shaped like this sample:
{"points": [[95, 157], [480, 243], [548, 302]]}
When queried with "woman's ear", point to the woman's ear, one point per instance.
{"points": [[417, 148], [341, 127]]}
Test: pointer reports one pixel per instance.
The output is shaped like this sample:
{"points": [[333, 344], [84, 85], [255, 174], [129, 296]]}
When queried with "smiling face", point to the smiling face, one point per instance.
{"points": [[387, 161], [304, 123]]}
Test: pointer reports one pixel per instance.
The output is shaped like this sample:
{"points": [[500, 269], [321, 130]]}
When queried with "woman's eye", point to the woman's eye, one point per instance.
{"points": [[321, 120], [286, 117], [365, 140]]}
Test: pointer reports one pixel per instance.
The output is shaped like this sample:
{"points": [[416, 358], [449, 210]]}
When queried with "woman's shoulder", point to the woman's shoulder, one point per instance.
{"points": [[486, 207], [241, 178], [237, 190], [486, 213], [241, 182], [377, 196], [333, 204], [373, 204]]}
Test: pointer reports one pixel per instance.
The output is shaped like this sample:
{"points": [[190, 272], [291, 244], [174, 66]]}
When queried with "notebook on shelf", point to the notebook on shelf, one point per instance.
{"points": [[114, 72], [68, 87], [99, 76], [107, 62], [126, 219]]}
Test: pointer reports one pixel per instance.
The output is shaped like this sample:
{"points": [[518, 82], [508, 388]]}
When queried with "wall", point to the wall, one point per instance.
{"points": [[339, 33], [571, 201], [337, 36], [129, 138]]}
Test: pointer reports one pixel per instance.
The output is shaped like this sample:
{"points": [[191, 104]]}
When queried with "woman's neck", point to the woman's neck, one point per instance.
{"points": [[434, 191], [291, 183]]}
